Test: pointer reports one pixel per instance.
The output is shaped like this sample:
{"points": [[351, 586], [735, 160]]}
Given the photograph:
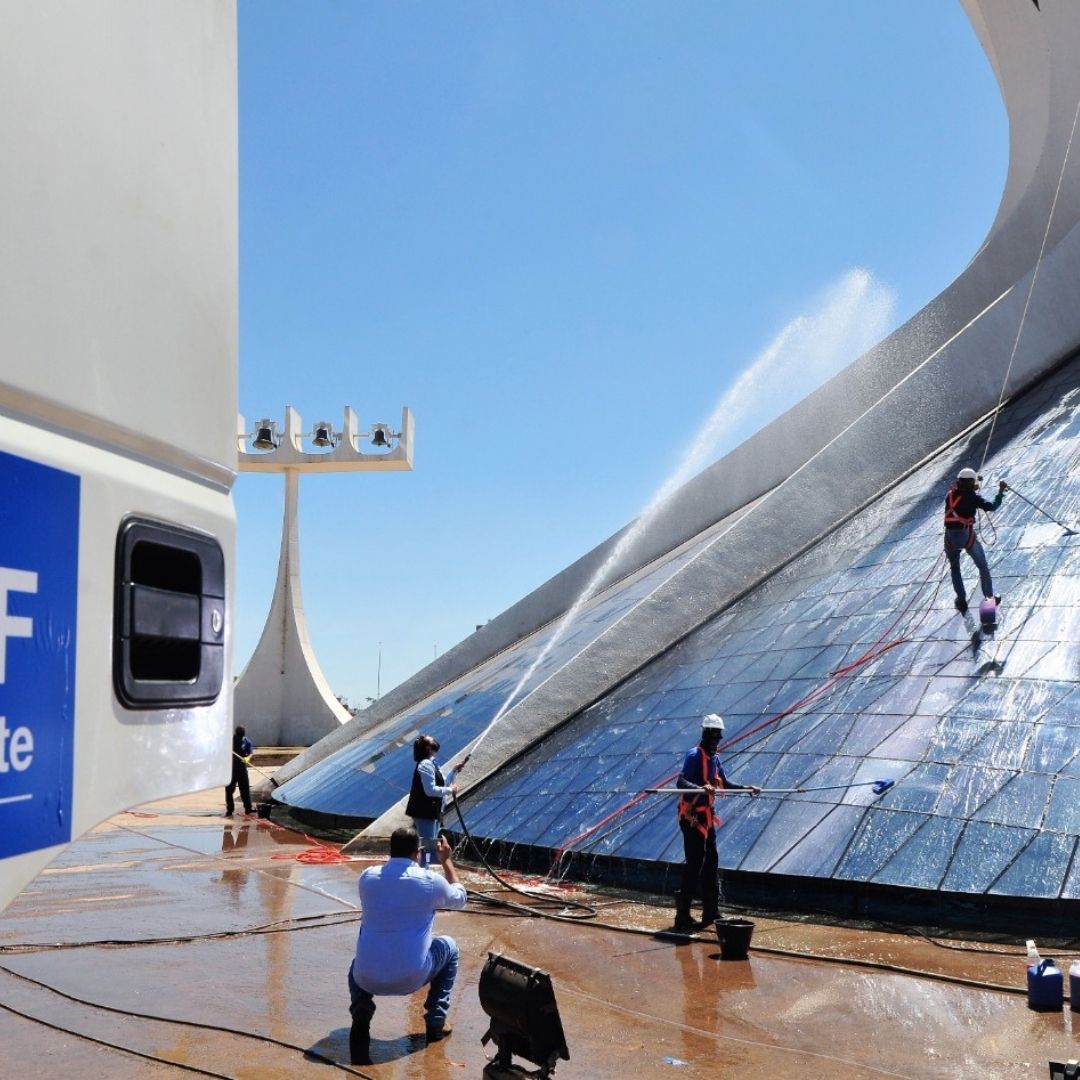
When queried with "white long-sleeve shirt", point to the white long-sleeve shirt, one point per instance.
{"points": [[398, 902], [432, 790]]}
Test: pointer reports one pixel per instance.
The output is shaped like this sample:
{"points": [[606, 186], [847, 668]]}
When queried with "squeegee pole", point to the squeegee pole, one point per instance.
{"points": [[883, 785], [255, 767], [1036, 506]]}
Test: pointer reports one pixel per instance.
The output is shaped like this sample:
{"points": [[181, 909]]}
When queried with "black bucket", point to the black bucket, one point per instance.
{"points": [[263, 809], [734, 935]]}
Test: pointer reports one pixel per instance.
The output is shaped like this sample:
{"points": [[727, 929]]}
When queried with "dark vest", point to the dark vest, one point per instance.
{"points": [[419, 804]]}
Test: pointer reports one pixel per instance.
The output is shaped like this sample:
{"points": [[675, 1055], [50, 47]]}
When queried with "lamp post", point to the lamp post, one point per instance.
{"points": [[282, 697]]}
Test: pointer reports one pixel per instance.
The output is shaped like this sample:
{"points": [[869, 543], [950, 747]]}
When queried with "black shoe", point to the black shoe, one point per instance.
{"points": [[360, 1044], [961, 605], [435, 1034]]}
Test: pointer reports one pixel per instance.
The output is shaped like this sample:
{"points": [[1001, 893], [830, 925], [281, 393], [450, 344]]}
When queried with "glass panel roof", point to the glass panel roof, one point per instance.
{"points": [[366, 777], [852, 665]]}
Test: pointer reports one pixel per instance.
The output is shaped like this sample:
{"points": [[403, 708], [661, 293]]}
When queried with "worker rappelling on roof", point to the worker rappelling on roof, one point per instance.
{"points": [[961, 504]]}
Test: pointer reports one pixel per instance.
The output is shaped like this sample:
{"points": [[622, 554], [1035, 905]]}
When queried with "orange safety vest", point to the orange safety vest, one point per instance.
{"points": [[955, 520], [697, 809]]}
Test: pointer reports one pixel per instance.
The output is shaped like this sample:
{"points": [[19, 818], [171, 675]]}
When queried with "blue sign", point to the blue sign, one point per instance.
{"points": [[39, 588]]}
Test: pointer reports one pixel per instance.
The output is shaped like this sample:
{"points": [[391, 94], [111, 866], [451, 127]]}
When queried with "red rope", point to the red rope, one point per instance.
{"points": [[320, 854]]}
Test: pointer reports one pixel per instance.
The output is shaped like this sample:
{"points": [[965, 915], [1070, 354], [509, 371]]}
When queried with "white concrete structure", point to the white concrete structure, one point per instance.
{"points": [[833, 453], [118, 365], [282, 697]]}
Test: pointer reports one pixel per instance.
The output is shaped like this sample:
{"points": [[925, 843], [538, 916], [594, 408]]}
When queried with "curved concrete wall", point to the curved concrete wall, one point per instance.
{"points": [[859, 433]]}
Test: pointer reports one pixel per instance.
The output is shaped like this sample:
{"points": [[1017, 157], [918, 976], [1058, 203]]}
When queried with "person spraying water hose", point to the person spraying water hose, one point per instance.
{"points": [[428, 794]]}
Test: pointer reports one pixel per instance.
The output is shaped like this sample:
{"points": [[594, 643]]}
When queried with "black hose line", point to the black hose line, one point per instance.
{"points": [[305, 1051], [587, 911]]}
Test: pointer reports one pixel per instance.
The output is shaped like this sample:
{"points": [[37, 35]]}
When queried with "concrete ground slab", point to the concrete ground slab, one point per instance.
{"points": [[206, 946]]}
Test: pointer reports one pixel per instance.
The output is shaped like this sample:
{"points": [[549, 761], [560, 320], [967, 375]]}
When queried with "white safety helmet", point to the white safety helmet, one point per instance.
{"points": [[967, 474], [713, 722]]}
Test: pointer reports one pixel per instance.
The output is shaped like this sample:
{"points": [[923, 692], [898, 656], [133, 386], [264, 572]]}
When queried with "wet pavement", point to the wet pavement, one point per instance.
{"points": [[174, 941]]}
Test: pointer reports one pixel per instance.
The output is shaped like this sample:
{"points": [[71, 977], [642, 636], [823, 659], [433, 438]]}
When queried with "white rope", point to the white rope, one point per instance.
{"points": [[1031, 287]]}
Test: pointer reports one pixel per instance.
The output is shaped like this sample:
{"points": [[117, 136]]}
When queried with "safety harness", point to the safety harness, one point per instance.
{"points": [[697, 808], [955, 521]]}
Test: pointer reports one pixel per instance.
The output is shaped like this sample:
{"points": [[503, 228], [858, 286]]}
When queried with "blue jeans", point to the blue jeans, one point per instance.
{"points": [[955, 539], [428, 831], [444, 964]]}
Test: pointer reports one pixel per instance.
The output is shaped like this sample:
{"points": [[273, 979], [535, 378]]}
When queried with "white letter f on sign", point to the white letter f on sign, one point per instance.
{"points": [[14, 625]]}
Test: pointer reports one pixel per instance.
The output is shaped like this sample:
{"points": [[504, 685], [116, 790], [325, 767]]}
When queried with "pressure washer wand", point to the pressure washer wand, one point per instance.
{"points": [[1068, 529], [879, 786]]}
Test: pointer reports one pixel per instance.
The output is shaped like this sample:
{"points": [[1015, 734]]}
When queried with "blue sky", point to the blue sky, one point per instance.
{"points": [[560, 232]]}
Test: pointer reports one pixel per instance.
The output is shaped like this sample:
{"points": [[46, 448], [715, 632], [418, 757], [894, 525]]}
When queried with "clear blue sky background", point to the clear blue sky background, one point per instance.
{"points": [[558, 231]]}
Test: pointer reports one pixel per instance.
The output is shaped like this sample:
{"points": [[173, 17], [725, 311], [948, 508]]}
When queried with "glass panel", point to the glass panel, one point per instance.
{"points": [[911, 740], [920, 789], [955, 738], [532, 825], [869, 731], [788, 825], [1051, 748], [1022, 801], [820, 850], [1064, 812], [983, 853], [1040, 869], [642, 833], [968, 788], [1071, 889], [877, 837], [735, 838], [1003, 748], [922, 861]]}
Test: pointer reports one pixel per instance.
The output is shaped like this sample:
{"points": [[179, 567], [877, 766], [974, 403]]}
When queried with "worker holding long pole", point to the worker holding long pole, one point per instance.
{"points": [[703, 774], [241, 758]]}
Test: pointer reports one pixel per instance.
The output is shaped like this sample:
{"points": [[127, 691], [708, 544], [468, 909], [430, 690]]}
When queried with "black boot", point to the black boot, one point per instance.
{"points": [[710, 908], [684, 921], [360, 1042]]}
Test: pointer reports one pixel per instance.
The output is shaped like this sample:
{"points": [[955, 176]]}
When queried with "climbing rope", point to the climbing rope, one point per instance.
{"points": [[1031, 287]]}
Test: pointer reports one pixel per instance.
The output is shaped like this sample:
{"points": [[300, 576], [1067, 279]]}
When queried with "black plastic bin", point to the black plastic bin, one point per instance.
{"points": [[734, 935]]}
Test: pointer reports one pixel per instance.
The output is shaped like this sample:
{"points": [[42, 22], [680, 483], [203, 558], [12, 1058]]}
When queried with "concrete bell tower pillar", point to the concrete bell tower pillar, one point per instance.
{"points": [[282, 697]]}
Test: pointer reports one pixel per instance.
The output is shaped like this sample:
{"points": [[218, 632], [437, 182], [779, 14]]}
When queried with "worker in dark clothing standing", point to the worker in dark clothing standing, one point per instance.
{"points": [[703, 773], [241, 756], [961, 503]]}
